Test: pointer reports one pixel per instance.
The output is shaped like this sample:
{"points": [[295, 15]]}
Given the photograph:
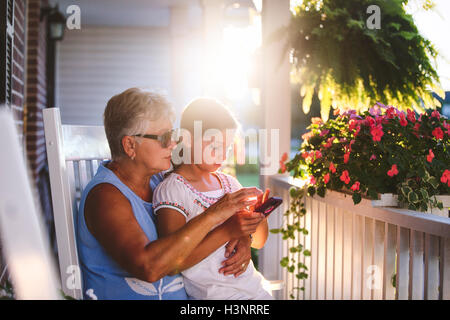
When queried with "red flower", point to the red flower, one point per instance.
{"points": [[438, 133], [318, 154], [332, 168], [393, 171], [430, 156], [355, 186], [377, 132], [283, 159], [446, 177], [436, 114], [352, 124], [346, 157], [403, 121], [312, 180], [411, 115], [390, 113], [336, 112], [326, 178], [345, 177]]}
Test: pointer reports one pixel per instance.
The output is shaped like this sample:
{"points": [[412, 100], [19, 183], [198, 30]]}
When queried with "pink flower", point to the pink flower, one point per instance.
{"points": [[390, 113], [430, 156], [352, 124], [326, 178], [373, 157], [355, 186], [332, 167], [438, 133], [411, 115], [312, 180], [446, 177], [346, 157], [436, 114], [403, 121], [283, 159], [377, 133], [307, 135], [345, 177], [370, 121], [324, 132], [318, 154], [393, 171], [316, 120]]}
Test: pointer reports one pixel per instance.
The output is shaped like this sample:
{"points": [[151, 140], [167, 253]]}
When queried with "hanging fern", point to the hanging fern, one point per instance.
{"points": [[350, 66]]}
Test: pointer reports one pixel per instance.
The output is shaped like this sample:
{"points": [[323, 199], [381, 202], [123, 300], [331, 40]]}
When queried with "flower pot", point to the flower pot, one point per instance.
{"points": [[386, 200], [391, 200], [445, 212]]}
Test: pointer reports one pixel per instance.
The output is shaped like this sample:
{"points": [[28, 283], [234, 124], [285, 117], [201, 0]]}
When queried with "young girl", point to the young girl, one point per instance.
{"points": [[189, 190]]}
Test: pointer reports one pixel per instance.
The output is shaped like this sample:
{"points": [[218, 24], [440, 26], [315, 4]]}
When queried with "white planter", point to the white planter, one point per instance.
{"points": [[386, 200], [391, 200], [445, 211]]}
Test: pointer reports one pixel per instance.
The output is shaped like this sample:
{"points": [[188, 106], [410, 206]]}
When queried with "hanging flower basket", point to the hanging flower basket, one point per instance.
{"points": [[392, 157]]}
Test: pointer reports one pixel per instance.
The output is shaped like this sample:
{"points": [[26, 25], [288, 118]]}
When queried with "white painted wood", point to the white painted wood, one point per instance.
{"points": [[445, 268], [308, 206], [23, 241], [357, 232], [378, 261], [416, 266], [330, 253], [347, 258], [74, 153], [431, 267], [369, 246], [321, 253], [338, 248], [390, 240]]}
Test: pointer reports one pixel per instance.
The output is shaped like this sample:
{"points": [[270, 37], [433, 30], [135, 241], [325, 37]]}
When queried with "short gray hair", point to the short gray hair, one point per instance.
{"points": [[130, 112]]}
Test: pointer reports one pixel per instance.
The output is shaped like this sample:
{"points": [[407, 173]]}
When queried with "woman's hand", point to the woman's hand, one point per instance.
{"points": [[233, 202], [239, 260]]}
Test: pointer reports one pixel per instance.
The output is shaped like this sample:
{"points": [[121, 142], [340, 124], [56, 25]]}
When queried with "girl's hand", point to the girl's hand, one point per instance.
{"points": [[233, 202], [239, 260]]}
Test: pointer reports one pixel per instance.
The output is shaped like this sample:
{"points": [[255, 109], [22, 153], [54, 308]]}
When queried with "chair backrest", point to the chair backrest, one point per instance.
{"points": [[74, 154]]}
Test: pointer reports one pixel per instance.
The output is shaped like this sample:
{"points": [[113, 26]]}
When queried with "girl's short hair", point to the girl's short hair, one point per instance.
{"points": [[212, 114]]}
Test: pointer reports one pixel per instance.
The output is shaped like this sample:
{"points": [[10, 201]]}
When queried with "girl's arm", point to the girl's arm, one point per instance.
{"points": [[170, 220], [261, 234]]}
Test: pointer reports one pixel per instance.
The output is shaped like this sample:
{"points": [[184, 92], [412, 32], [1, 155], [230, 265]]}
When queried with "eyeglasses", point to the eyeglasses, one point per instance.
{"points": [[166, 138]]}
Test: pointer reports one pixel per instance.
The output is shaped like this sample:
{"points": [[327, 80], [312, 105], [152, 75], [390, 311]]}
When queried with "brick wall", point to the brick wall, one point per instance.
{"points": [[18, 65], [36, 94], [36, 101]]}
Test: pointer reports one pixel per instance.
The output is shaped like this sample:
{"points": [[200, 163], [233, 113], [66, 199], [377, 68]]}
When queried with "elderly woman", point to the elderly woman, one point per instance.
{"points": [[120, 253]]}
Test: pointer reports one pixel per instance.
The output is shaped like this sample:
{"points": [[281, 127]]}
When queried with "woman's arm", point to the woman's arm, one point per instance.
{"points": [[110, 219], [170, 220]]}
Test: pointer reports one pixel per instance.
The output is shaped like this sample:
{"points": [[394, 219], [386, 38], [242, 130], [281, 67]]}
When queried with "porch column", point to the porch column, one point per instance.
{"points": [[212, 39], [186, 31], [276, 105]]}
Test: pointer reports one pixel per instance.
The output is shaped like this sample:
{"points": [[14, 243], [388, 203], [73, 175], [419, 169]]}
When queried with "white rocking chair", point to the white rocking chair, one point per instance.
{"points": [[74, 154]]}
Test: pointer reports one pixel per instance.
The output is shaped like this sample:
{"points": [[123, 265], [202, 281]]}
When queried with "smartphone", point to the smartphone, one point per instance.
{"points": [[268, 206]]}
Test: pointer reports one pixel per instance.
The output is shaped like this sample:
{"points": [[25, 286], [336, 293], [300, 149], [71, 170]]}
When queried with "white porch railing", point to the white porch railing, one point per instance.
{"points": [[358, 251]]}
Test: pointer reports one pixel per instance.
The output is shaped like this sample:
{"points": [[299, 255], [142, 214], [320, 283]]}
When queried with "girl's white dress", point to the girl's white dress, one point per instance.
{"points": [[203, 280]]}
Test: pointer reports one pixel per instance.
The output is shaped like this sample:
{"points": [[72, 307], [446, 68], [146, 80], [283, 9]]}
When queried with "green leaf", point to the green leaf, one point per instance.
{"points": [[356, 198], [412, 197], [306, 253], [275, 230]]}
